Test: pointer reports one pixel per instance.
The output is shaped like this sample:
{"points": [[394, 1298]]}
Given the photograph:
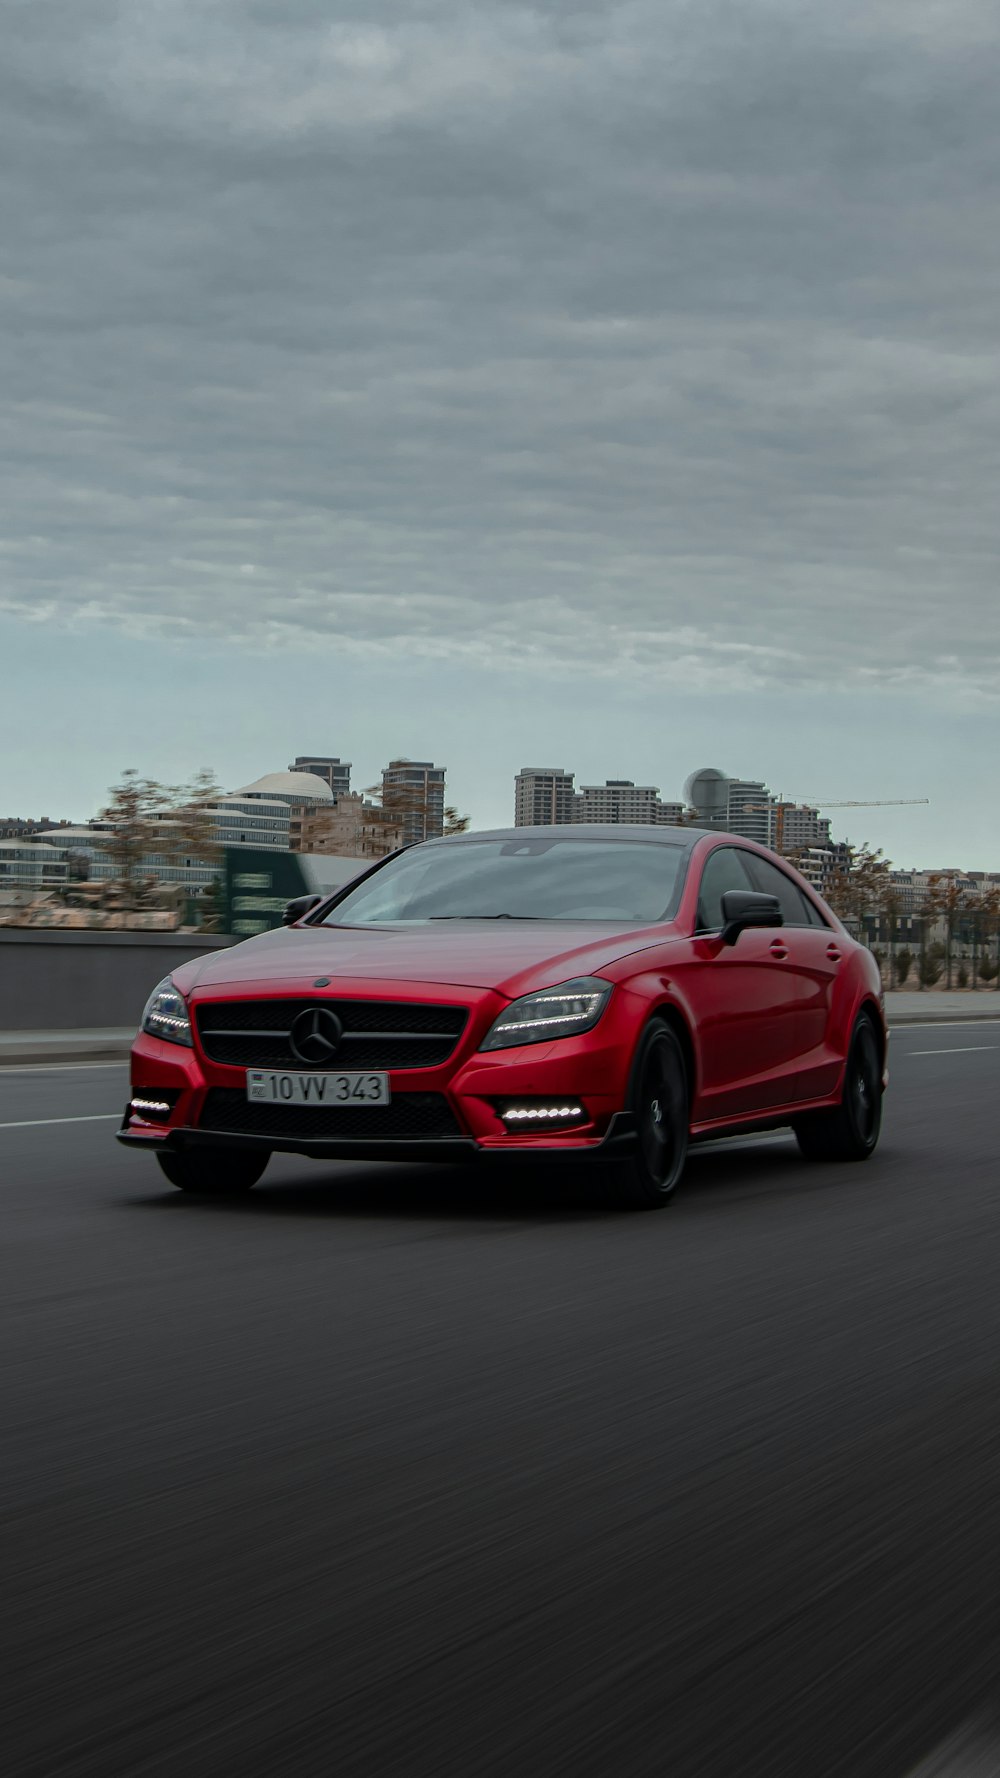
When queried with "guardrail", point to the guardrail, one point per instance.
{"points": [[62, 980]]}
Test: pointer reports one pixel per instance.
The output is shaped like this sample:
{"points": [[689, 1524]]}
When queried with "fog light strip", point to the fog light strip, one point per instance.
{"points": [[141, 1105], [519, 1114]]}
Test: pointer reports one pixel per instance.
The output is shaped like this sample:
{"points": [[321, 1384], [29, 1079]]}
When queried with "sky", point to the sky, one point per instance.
{"points": [[612, 386]]}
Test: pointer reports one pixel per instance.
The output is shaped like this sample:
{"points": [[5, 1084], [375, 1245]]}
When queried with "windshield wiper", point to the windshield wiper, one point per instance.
{"points": [[484, 916]]}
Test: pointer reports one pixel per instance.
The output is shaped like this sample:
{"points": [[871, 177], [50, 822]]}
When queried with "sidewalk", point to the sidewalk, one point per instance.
{"points": [[908, 1006]]}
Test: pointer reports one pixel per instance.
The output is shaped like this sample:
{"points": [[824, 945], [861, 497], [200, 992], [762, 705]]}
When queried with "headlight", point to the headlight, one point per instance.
{"points": [[563, 1011], [166, 1015]]}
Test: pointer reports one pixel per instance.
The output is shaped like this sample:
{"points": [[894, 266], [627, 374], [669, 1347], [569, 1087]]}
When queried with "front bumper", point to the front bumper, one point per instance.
{"points": [[591, 1069], [619, 1139]]}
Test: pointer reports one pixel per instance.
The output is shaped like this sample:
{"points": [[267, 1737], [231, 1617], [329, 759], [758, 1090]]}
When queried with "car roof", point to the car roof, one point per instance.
{"points": [[686, 837]]}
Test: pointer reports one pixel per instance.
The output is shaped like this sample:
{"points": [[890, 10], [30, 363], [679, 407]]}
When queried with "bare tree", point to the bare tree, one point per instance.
{"points": [[858, 894], [147, 819], [136, 807], [946, 900], [989, 917], [410, 805], [192, 829]]}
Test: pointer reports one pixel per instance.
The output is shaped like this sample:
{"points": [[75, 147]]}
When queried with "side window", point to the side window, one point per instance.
{"points": [[798, 911], [724, 870]]}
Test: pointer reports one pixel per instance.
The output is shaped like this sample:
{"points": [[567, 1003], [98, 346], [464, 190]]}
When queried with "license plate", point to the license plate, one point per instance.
{"points": [[318, 1089]]}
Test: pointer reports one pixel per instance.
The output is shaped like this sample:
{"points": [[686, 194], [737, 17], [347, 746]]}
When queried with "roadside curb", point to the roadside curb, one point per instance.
{"points": [[974, 1016], [18, 1047]]}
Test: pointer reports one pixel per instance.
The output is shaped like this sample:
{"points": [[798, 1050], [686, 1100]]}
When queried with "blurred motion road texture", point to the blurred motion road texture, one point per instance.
{"points": [[406, 1471]]}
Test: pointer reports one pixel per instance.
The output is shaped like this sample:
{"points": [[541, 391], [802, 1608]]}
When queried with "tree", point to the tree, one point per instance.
{"points": [[946, 899], [989, 917], [891, 906], [415, 810], [148, 819], [193, 830], [858, 894], [136, 806], [931, 964], [904, 963]]}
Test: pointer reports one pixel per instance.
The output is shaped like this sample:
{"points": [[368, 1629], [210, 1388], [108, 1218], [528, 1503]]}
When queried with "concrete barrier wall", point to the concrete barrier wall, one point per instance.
{"points": [[62, 981]]}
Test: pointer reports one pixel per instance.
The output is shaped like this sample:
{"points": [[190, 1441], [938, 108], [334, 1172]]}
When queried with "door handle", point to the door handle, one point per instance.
{"points": [[778, 949], [833, 953]]}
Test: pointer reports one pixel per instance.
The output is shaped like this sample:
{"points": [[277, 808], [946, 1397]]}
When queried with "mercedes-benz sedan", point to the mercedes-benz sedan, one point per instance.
{"points": [[573, 993]]}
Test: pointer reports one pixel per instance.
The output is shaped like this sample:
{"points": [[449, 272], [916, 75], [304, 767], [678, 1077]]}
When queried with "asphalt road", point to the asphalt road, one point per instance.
{"points": [[411, 1472]]}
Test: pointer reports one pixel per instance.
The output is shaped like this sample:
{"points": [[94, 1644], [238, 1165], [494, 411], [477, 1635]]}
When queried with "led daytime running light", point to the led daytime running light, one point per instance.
{"points": [[522, 1113]]}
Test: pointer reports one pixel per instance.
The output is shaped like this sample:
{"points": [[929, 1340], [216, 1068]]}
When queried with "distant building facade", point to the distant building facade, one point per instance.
{"points": [[745, 806], [543, 796], [335, 772], [413, 795], [546, 796], [83, 855], [32, 865], [354, 828], [15, 827]]}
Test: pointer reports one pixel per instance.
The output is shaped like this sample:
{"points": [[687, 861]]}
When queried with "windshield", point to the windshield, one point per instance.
{"points": [[521, 879]]}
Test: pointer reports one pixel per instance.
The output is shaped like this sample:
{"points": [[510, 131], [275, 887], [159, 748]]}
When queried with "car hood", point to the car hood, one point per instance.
{"points": [[505, 956]]}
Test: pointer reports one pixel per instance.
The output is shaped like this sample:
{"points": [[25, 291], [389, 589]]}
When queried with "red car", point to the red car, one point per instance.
{"points": [[580, 992]]}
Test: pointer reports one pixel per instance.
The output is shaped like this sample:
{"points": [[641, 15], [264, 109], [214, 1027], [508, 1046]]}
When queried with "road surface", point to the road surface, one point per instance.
{"points": [[414, 1472]]}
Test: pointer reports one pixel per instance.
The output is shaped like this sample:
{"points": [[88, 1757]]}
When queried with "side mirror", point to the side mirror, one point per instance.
{"points": [[298, 909], [743, 908]]}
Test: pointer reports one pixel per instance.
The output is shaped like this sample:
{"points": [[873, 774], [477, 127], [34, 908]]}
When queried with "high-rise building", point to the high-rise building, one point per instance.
{"points": [[543, 796], [413, 794], [334, 771], [750, 810], [546, 796], [746, 807], [620, 800], [801, 829]]}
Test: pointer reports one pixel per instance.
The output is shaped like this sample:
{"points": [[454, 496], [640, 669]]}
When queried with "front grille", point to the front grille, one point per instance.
{"points": [[379, 1034], [425, 1115]]}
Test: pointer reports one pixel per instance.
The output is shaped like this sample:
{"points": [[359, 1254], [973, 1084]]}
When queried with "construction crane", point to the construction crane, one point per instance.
{"points": [[780, 804]]}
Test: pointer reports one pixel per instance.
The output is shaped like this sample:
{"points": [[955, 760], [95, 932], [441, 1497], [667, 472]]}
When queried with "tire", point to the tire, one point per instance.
{"points": [[214, 1172], [851, 1131], [659, 1098]]}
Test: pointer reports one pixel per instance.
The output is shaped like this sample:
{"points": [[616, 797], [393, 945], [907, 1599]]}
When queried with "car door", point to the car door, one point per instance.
{"points": [[747, 1003], [814, 955]]}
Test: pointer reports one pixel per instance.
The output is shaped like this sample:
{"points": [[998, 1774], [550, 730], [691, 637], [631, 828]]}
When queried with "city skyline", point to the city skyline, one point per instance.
{"points": [[595, 801]]}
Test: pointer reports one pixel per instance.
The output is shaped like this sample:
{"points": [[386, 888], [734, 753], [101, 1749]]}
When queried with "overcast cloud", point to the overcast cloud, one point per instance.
{"points": [[648, 338]]}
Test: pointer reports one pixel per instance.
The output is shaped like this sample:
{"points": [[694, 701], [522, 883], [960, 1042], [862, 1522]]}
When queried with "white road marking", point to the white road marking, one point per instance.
{"points": [[959, 1049], [37, 1123]]}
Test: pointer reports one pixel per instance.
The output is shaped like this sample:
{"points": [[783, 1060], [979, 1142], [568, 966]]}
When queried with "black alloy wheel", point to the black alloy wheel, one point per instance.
{"points": [[661, 1105], [851, 1131], [214, 1172]]}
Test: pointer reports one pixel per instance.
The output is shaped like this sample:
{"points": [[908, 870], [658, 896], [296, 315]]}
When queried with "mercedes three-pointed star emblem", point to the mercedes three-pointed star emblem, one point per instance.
{"points": [[315, 1035]]}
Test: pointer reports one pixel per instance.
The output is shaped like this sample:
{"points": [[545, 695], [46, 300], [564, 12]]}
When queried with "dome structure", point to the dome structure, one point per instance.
{"points": [[708, 791], [289, 787]]}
